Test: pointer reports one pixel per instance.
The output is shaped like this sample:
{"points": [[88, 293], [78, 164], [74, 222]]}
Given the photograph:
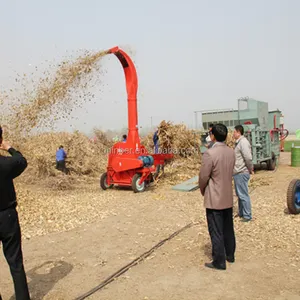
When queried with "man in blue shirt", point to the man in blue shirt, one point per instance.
{"points": [[156, 151], [61, 159]]}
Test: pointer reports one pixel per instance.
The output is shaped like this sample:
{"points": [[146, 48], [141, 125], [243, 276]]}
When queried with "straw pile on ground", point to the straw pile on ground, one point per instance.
{"points": [[182, 141], [185, 144], [84, 156], [178, 139]]}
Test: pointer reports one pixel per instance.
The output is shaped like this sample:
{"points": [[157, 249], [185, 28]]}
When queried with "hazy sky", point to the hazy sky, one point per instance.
{"points": [[190, 55]]}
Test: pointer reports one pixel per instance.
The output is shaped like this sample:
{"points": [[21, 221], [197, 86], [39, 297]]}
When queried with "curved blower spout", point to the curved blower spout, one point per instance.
{"points": [[131, 87]]}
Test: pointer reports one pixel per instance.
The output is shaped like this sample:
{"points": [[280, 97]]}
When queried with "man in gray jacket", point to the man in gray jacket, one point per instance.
{"points": [[242, 170]]}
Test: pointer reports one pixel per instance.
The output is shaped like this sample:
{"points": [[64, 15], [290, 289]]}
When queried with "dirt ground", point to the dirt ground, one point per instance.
{"points": [[116, 226]]}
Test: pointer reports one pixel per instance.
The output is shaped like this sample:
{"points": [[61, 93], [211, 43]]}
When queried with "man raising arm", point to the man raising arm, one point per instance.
{"points": [[10, 232]]}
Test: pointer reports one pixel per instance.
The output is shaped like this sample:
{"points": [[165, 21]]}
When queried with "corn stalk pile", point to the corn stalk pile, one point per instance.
{"points": [[84, 156], [185, 144]]}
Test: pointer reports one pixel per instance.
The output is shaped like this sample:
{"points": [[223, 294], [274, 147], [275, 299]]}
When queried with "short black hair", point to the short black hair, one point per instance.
{"points": [[240, 129], [211, 125], [220, 132], [61, 147], [124, 136], [1, 132]]}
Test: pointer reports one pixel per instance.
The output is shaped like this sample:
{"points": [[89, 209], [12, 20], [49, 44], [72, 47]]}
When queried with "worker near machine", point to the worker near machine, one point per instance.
{"points": [[215, 182], [209, 142], [61, 156], [242, 170], [156, 151], [10, 233], [156, 141], [124, 138]]}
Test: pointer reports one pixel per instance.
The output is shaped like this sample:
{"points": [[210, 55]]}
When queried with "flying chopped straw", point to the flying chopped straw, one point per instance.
{"points": [[40, 105]]}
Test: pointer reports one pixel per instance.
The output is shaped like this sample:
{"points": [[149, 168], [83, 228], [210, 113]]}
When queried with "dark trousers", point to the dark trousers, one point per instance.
{"points": [[221, 231], [61, 166], [10, 236]]}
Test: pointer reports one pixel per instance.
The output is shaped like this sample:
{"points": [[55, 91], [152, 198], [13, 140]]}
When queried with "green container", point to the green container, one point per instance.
{"points": [[295, 156]]}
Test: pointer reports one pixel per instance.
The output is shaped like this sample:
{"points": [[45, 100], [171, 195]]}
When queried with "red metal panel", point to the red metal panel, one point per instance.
{"points": [[131, 87]]}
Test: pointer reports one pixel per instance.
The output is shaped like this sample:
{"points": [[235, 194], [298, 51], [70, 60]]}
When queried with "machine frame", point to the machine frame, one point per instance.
{"points": [[129, 163], [264, 129]]}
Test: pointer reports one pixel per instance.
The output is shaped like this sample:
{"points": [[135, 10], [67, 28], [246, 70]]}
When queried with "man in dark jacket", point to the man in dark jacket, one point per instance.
{"points": [[10, 233]]}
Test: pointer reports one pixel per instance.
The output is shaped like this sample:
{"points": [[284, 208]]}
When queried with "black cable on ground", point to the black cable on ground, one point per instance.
{"points": [[133, 263]]}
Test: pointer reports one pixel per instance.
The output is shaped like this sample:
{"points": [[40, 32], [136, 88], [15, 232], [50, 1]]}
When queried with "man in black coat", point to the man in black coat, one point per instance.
{"points": [[10, 232]]}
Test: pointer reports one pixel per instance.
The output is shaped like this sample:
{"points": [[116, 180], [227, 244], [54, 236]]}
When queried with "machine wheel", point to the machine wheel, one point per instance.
{"points": [[103, 182], [137, 188], [271, 163], [293, 197]]}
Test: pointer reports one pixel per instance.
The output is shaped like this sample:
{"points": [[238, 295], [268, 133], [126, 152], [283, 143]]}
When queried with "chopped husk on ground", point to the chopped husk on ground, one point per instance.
{"points": [[44, 211]]}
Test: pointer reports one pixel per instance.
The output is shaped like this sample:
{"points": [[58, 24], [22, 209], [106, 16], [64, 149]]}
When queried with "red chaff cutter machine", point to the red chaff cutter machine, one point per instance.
{"points": [[129, 163]]}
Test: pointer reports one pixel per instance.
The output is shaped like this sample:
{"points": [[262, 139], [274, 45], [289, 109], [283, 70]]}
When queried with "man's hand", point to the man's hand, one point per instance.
{"points": [[5, 145], [202, 191]]}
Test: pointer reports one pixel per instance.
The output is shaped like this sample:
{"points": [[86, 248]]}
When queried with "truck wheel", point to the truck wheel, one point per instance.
{"points": [[137, 188], [271, 163], [103, 182], [293, 197]]}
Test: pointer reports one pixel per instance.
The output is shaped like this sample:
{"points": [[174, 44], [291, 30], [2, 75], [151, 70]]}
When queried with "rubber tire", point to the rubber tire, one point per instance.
{"points": [[103, 183], [291, 197], [271, 163], [134, 184]]}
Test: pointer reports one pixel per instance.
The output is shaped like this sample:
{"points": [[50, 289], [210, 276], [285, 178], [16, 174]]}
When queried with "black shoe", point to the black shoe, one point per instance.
{"points": [[212, 266], [245, 220], [230, 259]]}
